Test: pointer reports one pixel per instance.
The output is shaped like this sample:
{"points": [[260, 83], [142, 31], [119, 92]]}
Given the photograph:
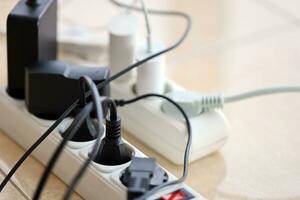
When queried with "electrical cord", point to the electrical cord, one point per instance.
{"points": [[79, 119], [261, 92], [73, 128], [147, 11], [147, 22], [92, 155], [35, 145], [205, 103], [102, 84], [188, 145], [148, 27]]}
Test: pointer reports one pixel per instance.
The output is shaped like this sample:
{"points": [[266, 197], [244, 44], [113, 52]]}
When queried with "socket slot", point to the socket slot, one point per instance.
{"points": [[72, 144], [84, 153]]}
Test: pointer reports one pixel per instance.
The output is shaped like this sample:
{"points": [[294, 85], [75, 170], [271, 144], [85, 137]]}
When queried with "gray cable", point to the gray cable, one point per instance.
{"points": [[200, 103], [99, 114], [188, 144], [261, 92]]}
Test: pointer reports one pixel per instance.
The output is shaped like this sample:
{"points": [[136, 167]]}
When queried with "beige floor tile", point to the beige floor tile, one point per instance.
{"points": [[288, 10]]}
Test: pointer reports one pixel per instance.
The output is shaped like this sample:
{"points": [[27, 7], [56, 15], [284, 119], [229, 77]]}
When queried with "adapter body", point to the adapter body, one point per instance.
{"points": [[122, 44], [52, 86], [31, 37]]}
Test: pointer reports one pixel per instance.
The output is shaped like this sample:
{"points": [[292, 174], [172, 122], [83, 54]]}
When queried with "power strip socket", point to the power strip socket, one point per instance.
{"points": [[165, 134], [99, 181]]}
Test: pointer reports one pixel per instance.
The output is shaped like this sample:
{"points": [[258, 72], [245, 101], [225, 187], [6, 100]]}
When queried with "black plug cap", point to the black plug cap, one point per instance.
{"points": [[142, 175], [113, 151]]}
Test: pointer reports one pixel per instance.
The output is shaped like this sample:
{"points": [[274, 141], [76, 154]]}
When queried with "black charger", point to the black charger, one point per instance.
{"points": [[52, 86], [31, 37], [48, 86]]}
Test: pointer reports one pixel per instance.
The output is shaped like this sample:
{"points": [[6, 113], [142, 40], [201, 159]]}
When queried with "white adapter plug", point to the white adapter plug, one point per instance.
{"points": [[122, 43], [151, 74]]}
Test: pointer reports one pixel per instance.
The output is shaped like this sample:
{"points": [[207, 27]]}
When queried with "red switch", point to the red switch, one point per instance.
{"points": [[177, 195]]}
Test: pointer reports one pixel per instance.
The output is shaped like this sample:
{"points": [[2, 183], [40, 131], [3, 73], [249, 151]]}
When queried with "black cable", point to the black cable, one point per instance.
{"points": [[100, 86], [113, 109], [187, 149], [129, 68], [73, 128], [36, 144], [93, 154]]}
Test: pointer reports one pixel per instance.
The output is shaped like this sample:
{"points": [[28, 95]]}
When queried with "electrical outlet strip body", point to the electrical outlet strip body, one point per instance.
{"points": [[165, 134], [99, 181]]}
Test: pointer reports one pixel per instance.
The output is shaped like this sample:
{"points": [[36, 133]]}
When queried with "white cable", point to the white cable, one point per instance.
{"points": [[260, 92], [148, 27], [144, 9], [195, 103]]}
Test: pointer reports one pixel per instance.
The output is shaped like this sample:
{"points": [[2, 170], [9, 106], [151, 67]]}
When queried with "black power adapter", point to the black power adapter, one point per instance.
{"points": [[31, 37], [52, 86], [48, 86]]}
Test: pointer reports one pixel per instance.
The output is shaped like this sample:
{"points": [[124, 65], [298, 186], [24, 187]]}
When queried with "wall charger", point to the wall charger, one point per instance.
{"points": [[151, 74], [31, 37], [122, 43], [52, 86]]}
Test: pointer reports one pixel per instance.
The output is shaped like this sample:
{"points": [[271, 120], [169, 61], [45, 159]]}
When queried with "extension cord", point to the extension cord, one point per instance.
{"points": [[166, 135], [99, 181]]}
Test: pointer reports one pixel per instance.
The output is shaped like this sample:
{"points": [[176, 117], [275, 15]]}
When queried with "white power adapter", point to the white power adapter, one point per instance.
{"points": [[151, 74], [122, 43]]}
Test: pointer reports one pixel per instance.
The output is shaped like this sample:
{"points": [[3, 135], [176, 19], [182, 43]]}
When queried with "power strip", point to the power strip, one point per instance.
{"points": [[165, 134], [99, 182]]}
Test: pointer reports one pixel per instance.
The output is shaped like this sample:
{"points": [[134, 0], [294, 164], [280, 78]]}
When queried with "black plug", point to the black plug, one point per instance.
{"points": [[142, 175], [87, 131], [113, 150]]}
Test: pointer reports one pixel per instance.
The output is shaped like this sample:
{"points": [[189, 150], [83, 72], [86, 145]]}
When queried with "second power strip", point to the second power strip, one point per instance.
{"points": [[165, 134]]}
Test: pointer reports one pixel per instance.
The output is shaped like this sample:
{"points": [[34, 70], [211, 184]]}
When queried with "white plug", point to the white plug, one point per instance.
{"points": [[151, 74], [122, 44], [193, 103]]}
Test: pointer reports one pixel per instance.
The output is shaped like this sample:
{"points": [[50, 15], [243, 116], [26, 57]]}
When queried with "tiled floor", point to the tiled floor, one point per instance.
{"points": [[235, 45]]}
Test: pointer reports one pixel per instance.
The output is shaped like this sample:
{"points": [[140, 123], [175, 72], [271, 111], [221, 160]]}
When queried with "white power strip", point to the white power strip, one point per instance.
{"points": [[146, 121], [99, 182]]}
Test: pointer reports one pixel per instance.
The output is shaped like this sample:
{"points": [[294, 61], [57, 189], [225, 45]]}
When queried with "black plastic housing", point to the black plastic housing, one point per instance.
{"points": [[52, 86], [142, 175], [31, 37], [113, 151]]}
